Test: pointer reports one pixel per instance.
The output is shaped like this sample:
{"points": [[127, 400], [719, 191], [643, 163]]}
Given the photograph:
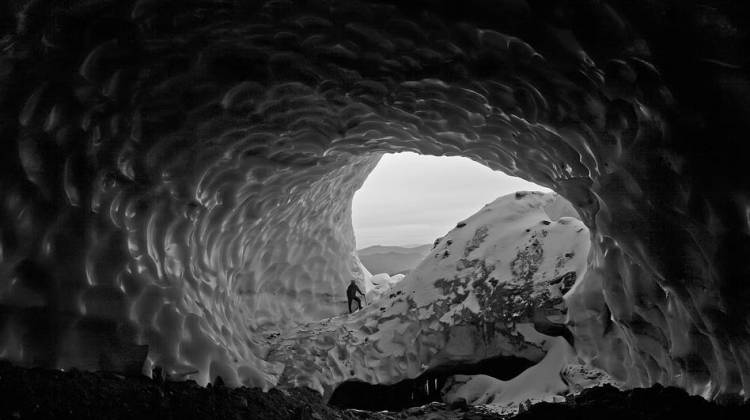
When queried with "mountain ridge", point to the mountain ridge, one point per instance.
{"points": [[392, 259]]}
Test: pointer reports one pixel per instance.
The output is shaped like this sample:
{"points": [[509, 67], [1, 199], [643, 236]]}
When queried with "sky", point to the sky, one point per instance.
{"points": [[412, 199]]}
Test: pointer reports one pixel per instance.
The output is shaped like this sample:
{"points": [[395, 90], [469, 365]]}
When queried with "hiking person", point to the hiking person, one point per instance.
{"points": [[351, 295]]}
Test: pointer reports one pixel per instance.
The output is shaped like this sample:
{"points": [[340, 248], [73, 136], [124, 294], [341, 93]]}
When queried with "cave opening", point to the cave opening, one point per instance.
{"points": [[410, 199], [425, 388], [398, 184]]}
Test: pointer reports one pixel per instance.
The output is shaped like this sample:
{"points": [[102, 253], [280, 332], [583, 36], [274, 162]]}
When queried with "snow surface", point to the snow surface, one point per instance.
{"points": [[478, 294]]}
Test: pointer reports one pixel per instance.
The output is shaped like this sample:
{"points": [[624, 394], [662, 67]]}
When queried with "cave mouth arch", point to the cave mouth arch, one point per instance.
{"points": [[409, 199], [186, 192], [424, 389]]}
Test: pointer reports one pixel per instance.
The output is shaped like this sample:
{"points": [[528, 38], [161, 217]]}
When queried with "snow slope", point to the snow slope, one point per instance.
{"points": [[485, 289], [392, 259]]}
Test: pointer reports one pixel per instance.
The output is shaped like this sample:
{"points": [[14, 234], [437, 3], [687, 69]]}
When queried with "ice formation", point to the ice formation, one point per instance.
{"points": [[176, 177], [541, 382]]}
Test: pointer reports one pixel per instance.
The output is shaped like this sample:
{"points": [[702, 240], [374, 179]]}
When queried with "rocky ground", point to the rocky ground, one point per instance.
{"points": [[52, 394], [608, 403]]}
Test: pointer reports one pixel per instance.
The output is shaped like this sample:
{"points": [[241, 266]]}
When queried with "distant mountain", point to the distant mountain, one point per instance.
{"points": [[392, 259], [384, 249]]}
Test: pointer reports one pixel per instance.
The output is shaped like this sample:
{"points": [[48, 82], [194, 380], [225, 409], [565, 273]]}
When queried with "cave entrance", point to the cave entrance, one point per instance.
{"points": [[410, 199], [425, 388]]}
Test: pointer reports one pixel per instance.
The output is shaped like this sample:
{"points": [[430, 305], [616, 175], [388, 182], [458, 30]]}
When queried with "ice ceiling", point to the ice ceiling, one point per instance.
{"points": [[179, 175]]}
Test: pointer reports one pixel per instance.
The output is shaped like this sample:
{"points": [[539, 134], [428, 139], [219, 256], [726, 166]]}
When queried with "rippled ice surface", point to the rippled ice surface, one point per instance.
{"points": [[180, 176]]}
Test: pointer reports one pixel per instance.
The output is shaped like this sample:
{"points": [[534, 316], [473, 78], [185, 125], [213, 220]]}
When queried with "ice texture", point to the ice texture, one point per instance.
{"points": [[176, 177]]}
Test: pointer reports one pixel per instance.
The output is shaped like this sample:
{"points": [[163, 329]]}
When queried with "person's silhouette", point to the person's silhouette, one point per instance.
{"points": [[351, 295]]}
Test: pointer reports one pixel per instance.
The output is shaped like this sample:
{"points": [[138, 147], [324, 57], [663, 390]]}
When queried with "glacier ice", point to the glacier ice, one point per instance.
{"points": [[176, 179]]}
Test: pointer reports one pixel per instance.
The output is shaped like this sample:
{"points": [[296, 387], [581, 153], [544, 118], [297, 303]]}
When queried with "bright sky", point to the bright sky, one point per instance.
{"points": [[411, 199]]}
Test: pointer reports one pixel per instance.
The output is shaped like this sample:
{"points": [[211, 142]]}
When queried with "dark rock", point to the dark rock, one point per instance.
{"points": [[415, 411], [52, 394], [459, 404], [218, 382], [657, 402]]}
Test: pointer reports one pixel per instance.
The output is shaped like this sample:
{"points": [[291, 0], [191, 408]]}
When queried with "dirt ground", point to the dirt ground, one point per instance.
{"points": [[52, 394]]}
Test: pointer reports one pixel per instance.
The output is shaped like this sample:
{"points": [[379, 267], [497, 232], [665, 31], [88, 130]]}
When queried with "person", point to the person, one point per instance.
{"points": [[351, 295]]}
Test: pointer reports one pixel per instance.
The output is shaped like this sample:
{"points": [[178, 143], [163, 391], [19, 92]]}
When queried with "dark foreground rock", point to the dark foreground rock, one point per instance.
{"points": [[51, 394], [657, 402]]}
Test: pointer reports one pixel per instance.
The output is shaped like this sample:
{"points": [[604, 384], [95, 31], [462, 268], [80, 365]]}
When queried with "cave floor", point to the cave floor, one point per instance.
{"points": [[53, 394]]}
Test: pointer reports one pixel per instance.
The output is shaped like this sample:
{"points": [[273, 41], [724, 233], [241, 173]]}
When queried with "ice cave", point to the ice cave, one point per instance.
{"points": [[176, 182]]}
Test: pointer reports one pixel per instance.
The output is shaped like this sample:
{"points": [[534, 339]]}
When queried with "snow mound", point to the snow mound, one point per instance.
{"points": [[494, 285], [380, 284]]}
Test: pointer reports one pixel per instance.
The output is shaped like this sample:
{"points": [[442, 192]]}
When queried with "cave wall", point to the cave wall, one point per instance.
{"points": [[179, 175]]}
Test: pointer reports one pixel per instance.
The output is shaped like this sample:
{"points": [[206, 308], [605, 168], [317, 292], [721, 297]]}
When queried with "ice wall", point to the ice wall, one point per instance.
{"points": [[177, 175]]}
